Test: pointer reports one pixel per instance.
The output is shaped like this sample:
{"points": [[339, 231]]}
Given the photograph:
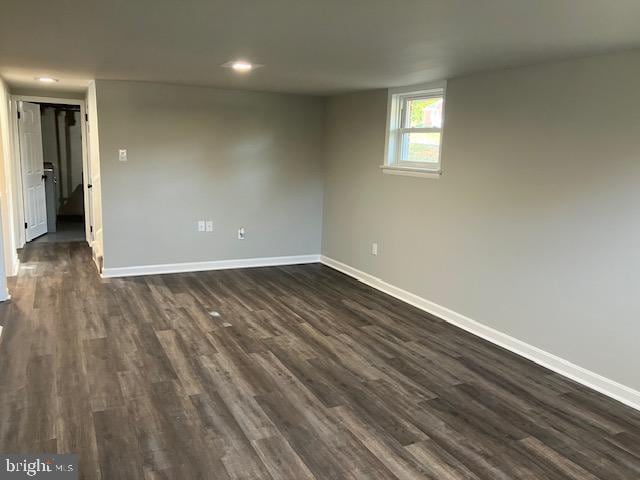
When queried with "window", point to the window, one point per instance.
{"points": [[414, 135]]}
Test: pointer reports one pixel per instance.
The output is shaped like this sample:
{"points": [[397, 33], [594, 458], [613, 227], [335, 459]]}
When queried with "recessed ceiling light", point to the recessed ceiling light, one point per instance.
{"points": [[241, 66], [47, 79]]}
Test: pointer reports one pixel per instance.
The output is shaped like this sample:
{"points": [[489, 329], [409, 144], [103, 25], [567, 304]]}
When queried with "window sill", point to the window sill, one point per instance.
{"points": [[410, 172]]}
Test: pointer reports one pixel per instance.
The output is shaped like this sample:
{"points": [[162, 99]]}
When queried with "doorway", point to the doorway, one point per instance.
{"points": [[53, 170]]}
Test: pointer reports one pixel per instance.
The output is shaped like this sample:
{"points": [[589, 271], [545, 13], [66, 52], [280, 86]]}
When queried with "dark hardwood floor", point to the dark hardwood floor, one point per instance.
{"points": [[280, 373]]}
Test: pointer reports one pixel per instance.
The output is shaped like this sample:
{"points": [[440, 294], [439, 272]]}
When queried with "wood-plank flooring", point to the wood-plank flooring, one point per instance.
{"points": [[283, 373]]}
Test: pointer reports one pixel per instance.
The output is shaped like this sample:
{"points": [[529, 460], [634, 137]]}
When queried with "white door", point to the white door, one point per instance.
{"points": [[86, 172], [31, 162]]}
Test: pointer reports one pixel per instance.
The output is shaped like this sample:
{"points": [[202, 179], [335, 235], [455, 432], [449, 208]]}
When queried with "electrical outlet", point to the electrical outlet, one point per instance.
{"points": [[201, 226], [122, 155], [209, 226], [241, 233], [374, 249]]}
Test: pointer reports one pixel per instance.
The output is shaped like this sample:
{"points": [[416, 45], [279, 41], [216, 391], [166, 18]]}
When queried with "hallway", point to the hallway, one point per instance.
{"points": [[66, 232]]}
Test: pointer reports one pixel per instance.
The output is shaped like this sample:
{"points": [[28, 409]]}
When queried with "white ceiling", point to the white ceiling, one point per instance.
{"points": [[306, 46]]}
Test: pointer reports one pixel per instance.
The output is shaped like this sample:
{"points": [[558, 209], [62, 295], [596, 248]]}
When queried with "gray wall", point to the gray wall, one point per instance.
{"points": [[533, 229], [241, 159]]}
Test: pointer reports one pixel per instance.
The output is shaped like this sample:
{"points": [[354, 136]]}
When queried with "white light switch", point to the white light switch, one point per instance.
{"points": [[241, 233], [122, 154], [201, 225], [209, 226], [374, 248]]}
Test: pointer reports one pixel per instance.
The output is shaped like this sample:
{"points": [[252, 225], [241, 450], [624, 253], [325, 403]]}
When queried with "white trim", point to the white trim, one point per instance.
{"points": [[17, 179], [394, 126], [96, 261], [597, 382], [210, 265], [58, 101], [410, 172], [94, 199], [419, 88], [16, 265]]}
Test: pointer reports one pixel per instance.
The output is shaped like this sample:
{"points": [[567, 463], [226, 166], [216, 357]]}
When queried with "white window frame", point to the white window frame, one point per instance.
{"points": [[396, 113]]}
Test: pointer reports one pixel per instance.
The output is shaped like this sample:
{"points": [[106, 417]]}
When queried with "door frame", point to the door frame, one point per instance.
{"points": [[17, 176]]}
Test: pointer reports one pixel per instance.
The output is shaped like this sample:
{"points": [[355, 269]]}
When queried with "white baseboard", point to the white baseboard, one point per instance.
{"points": [[16, 266], [211, 265], [597, 382]]}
